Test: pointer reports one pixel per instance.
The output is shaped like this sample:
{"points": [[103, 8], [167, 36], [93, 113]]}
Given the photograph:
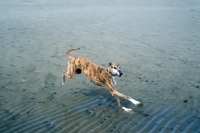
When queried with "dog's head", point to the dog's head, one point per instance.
{"points": [[115, 69]]}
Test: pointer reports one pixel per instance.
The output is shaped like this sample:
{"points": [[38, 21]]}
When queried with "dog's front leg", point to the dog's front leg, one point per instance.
{"points": [[137, 103], [114, 92], [118, 99], [117, 95], [120, 105]]}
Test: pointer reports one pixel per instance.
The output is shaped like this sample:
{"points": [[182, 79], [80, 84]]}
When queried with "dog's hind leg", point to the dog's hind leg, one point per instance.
{"points": [[63, 78], [70, 70]]}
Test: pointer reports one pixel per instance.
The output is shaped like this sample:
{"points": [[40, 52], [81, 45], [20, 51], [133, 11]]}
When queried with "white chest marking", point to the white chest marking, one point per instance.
{"points": [[114, 82]]}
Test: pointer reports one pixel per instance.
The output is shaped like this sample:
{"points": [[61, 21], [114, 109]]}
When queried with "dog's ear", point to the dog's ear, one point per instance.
{"points": [[110, 64]]}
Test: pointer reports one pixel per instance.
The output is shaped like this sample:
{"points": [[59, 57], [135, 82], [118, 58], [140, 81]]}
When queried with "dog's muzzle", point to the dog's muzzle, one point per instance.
{"points": [[120, 74]]}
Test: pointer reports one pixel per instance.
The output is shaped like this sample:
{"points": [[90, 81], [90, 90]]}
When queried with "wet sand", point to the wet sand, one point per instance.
{"points": [[156, 43]]}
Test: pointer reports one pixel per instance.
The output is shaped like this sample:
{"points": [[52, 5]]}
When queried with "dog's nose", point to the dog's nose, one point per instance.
{"points": [[120, 73]]}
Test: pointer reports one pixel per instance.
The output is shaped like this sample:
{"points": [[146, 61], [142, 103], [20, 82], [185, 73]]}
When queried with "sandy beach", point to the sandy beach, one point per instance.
{"points": [[156, 44]]}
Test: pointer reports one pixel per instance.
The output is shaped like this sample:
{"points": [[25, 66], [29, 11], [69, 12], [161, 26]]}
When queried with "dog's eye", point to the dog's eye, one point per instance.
{"points": [[115, 67]]}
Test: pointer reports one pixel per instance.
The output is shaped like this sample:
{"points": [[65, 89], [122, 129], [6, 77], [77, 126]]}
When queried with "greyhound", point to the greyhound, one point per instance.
{"points": [[98, 75]]}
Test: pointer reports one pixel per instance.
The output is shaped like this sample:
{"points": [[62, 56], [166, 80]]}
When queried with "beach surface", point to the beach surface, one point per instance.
{"points": [[155, 42]]}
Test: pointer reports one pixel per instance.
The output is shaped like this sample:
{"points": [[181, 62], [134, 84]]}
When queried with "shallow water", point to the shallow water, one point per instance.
{"points": [[157, 45]]}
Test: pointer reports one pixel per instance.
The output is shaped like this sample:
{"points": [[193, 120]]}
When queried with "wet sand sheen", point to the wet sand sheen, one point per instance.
{"points": [[155, 43]]}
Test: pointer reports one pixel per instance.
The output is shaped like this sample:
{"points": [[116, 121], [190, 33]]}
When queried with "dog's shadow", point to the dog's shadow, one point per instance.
{"points": [[96, 92], [101, 92]]}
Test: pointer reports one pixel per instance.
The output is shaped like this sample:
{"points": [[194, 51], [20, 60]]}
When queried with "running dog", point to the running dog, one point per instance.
{"points": [[99, 76]]}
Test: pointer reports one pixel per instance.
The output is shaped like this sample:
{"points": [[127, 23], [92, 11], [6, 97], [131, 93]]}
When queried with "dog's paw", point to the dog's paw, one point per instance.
{"points": [[63, 83], [126, 109], [137, 103]]}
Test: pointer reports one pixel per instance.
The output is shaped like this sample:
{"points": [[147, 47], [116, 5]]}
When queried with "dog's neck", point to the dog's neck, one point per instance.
{"points": [[114, 81], [113, 76]]}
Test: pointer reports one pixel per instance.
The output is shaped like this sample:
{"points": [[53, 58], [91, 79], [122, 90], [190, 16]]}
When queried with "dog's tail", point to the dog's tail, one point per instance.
{"points": [[70, 51]]}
